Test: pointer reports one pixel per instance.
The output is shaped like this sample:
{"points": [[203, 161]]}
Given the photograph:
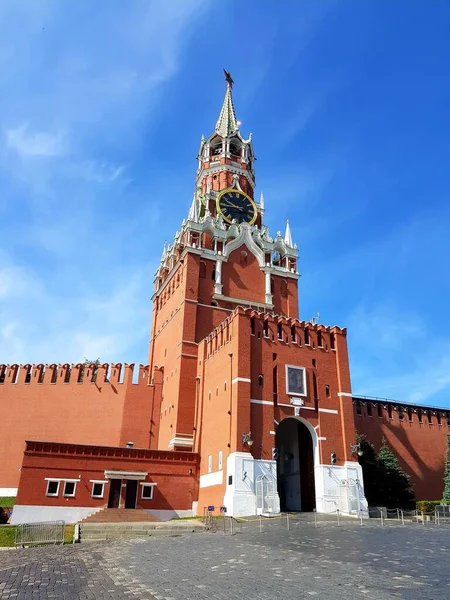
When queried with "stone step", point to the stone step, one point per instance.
{"points": [[120, 515], [102, 531]]}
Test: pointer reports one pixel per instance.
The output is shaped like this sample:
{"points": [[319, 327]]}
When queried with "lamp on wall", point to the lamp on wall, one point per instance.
{"points": [[356, 448], [247, 439]]}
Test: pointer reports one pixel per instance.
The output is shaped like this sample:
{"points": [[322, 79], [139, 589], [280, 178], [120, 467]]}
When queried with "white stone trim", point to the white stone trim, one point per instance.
{"points": [[74, 488], [265, 402], [56, 494], [239, 301], [139, 475], [181, 441], [8, 491], [272, 432], [39, 513], [242, 379], [321, 439], [347, 394], [62, 479], [328, 410], [147, 485], [98, 480], [245, 237], [210, 479]]}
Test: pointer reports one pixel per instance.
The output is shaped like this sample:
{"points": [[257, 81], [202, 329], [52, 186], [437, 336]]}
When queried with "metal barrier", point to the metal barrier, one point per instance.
{"points": [[50, 532]]}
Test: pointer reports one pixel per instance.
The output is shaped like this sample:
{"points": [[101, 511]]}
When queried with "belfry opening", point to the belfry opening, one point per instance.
{"points": [[295, 466]]}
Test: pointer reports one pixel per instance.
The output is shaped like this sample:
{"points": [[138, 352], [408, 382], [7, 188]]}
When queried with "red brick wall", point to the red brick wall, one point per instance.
{"points": [[109, 412], [420, 447], [176, 487]]}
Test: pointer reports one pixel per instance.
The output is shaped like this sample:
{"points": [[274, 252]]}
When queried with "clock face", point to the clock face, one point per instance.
{"points": [[232, 204]]}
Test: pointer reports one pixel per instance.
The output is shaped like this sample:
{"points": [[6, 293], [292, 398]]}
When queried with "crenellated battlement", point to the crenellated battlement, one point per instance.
{"points": [[74, 374]]}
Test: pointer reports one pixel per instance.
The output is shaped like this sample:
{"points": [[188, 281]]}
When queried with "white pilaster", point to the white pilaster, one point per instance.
{"points": [[268, 289], [218, 279]]}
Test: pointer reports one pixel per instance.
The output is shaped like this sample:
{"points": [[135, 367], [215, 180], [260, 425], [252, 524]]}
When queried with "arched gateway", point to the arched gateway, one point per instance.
{"points": [[296, 445]]}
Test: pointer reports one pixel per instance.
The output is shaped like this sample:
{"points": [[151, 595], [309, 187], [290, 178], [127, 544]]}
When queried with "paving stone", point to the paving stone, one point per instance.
{"points": [[350, 561]]}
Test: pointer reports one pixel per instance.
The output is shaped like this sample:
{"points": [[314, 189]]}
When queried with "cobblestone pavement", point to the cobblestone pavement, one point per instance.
{"points": [[347, 562]]}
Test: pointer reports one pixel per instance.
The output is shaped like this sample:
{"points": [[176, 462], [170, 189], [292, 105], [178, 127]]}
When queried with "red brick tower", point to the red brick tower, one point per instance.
{"points": [[263, 397]]}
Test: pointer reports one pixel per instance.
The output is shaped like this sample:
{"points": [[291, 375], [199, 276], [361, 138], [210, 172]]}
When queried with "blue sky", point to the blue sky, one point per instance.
{"points": [[102, 105]]}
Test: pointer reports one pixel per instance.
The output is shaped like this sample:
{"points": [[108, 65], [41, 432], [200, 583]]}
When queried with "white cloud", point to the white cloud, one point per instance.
{"points": [[37, 143]]}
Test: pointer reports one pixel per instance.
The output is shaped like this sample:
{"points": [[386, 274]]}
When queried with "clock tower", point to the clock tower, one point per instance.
{"points": [[222, 257]]}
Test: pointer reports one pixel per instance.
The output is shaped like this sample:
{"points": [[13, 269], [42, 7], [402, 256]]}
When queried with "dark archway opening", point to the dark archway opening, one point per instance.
{"points": [[295, 466]]}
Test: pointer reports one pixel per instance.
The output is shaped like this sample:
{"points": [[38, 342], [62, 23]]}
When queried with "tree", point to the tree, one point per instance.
{"points": [[371, 473], [385, 482], [88, 363], [395, 484], [446, 496]]}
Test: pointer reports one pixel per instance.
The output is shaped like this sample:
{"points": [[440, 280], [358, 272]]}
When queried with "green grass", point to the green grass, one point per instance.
{"points": [[7, 501], [7, 535]]}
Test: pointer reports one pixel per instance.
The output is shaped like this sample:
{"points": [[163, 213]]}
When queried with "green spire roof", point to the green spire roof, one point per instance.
{"points": [[227, 122]]}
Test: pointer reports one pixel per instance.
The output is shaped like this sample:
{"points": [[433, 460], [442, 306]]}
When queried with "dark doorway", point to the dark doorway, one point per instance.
{"points": [[295, 466], [131, 493], [115, 486]]}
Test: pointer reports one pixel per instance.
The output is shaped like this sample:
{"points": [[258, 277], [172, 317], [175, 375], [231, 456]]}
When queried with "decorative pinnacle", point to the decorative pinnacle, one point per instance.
{"points": [[288, 235], [228, 78]]}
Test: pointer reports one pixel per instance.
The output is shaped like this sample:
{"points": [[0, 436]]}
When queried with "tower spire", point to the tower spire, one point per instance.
{"points": [[227, 122]]}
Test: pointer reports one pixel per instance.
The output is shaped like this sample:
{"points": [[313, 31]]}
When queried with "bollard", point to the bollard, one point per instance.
{"points": [[260, 523], [231, 525], [403, 518], [361, 517], [436, 516], [423, 519], [398, 514], [338, 522], [381, 516], [315, 518], [287, 521]]}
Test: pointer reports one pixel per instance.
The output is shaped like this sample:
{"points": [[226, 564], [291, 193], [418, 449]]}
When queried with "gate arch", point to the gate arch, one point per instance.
{"points": [[297, 446]]}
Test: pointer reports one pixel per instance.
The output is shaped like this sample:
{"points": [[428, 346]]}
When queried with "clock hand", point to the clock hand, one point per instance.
{"points": [[231, 205]]}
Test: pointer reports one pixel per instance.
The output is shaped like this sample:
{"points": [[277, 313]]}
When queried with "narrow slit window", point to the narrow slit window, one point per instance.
{"points": [[358, 408], [280, 331], [369, 409], [266, 329], [252, 325], [429, 417], [327, 391], [319, 339], [306, 336], [380, 410], [390, 413], [275, 385], [420, 416], [332, 341], [401, 415], [293, 334], [410, 415]]}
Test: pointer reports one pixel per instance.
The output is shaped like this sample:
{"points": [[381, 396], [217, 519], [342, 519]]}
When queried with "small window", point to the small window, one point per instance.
{"points": [[410, 415], [52, 488], [319, 339], [280, 331], [358, 408], [439, 418], [332, 341], [220, 460], [293, 334], [266, 328], [390, 412], [306, 336], [209, 463], [252, 325], [327, 391], [380, 410], [261, 379], [69, 488], [147, 491], [429, 417], [369, 409], [314, 363], [213, 274], [401, 414], [98, 489], [420, 416]]}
